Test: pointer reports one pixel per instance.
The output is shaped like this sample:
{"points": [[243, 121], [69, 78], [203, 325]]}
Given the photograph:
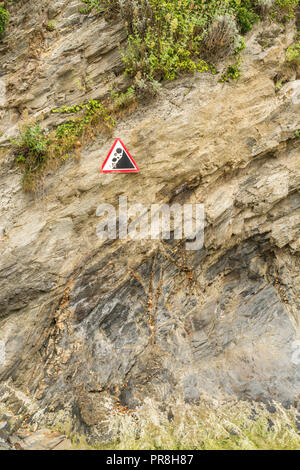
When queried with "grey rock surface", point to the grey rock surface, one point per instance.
{"points": [[85, 324]]}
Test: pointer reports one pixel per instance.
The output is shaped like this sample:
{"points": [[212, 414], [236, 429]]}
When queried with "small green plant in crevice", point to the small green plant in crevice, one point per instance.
{"points": [[232, 73], [50, 26], [279, 84], [4, 19], [31, 151], [297, 133], [32, 146], [122, 100], [92, 114], [293, 53], [90, 5]]}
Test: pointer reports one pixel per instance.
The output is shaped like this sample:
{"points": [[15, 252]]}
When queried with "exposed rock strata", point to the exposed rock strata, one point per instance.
{"points": [[86, 324]]}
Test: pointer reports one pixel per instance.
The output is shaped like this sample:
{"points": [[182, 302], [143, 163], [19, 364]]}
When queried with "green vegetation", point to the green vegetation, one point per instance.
{"points": [[246, 14], [93, 114], [232, 73], [166, 38], [32, 146], [217, 426], [50, 26], [284, 10], [293, 53], [37, 149], [170, 37], [123, 100], [90, 5], [4, 19]]}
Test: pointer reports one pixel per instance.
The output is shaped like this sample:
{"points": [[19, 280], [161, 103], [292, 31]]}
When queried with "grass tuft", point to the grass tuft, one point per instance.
{"points": [[235, 425]]}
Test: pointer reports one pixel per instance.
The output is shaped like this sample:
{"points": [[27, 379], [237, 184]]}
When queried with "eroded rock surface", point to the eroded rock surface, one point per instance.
{"points": [[87, 325]]}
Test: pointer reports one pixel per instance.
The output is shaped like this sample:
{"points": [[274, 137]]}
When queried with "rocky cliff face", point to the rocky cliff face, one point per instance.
{"points": [[87, 324]]}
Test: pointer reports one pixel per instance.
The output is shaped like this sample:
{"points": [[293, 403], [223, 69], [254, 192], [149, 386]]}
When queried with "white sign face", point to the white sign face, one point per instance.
{"points": [[119, 160]]}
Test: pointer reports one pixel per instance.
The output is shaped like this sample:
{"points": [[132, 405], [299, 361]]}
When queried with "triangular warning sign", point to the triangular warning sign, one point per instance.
{"points": [[119, 160]]}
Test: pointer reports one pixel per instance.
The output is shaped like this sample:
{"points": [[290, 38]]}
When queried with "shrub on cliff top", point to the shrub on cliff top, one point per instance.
{"points": [[168, 37]]}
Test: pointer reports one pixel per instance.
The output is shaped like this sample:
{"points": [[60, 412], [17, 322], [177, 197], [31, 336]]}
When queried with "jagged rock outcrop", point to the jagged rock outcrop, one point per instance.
{"points": [[87, 324]]}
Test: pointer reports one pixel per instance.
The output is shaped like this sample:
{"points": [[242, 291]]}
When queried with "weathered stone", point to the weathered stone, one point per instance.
{"points": [[88, 325], [43, 439]]}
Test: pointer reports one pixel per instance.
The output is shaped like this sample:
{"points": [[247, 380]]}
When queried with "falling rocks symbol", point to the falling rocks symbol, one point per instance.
{"points": [[119, 160]]}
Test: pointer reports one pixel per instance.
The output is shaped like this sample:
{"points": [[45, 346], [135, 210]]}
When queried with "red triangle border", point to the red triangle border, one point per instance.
{"points": [[135, 170]]}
